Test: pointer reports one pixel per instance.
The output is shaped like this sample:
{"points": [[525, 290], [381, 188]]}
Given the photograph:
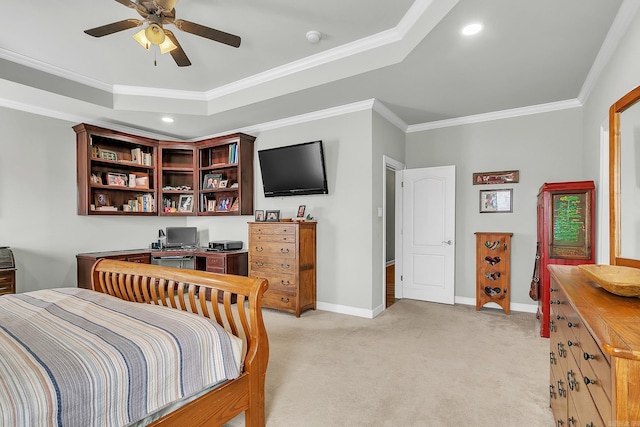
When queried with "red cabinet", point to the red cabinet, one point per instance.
{"points": [[566, 235]]}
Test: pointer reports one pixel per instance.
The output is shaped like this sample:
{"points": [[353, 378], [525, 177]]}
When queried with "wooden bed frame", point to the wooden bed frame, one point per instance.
{"points": [[196, 291]]}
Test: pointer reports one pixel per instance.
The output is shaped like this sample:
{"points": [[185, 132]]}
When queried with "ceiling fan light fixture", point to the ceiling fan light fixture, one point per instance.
{"points": [[142, 39], [154, 34], [167, 46]]}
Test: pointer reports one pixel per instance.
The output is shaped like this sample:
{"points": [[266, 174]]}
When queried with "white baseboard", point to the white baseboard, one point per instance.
{"points": [[370, 314]]}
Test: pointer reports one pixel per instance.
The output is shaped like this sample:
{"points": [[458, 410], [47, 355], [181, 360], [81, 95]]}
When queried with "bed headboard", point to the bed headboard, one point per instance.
{"points": [[193, 291]]}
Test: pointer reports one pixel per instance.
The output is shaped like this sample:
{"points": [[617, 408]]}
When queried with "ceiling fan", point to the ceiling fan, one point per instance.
{"points": [[157, 13]]}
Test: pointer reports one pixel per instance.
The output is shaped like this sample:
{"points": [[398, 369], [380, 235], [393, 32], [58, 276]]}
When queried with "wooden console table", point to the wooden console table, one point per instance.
{"points": [[228, 262]]}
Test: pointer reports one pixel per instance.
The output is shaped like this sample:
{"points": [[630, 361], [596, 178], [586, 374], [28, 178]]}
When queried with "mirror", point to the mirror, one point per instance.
{"points": [[624, 180]]}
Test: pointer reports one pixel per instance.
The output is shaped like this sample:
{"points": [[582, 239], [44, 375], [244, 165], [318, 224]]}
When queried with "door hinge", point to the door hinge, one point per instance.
{"points": [[401, 278]]}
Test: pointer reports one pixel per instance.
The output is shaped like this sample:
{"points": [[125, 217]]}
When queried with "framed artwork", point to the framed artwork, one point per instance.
{"points": [[101, 199], [223, 183], [211, 181], [185, 204], [301, 210], [496, 200], [273, 216], [259, 215], [224, 204], [503, 177]]}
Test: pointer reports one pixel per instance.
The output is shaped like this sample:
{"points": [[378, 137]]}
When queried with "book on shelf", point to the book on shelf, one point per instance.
{"points": [[233, 153], [106, 208], [140, 157], [136, 155]]}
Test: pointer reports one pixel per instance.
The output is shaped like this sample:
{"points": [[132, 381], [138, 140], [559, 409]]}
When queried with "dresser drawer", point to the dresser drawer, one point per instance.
{"points": [[265, 265], [6, 278], [282, 282], [279, 299], [273, 229], [286, 238], [267, 249]]}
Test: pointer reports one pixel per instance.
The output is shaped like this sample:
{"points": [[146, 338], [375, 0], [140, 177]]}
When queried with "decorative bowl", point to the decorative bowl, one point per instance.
{"points": [[619, 280]]}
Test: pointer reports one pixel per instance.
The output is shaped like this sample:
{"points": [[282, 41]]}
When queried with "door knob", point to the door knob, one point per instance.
{"points": [[448, 242]]}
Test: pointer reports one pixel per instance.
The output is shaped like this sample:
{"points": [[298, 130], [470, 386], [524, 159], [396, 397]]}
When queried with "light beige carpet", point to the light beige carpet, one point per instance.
{"points": [[417, 364]]}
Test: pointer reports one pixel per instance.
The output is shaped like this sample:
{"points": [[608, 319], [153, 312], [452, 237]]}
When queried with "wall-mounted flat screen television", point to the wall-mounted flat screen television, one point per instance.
{"points": [[293, 170]]}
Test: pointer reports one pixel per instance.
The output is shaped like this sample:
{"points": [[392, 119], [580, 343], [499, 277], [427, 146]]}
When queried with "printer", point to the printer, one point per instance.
{"points": [[225, 245]]}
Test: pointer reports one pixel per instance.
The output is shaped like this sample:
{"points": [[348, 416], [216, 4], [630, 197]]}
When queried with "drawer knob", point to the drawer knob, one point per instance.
{"points": [[571, 421], [572, 325], [553, 290], [558, 317], [571, 343], [555, 302], [551, 392], [259, 263], [285, 300], [285, 265], [287, 283], [259, 249], [284, 250], [588, 381], [588, 356]]}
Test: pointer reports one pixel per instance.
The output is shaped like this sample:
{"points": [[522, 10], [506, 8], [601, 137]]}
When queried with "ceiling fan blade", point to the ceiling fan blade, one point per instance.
{"points": [[177, 54], [127, 3], [206, 32], [105, 30]]}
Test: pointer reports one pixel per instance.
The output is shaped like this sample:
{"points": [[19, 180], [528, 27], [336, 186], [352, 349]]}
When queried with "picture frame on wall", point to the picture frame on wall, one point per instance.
{"points": [[492, 201], [502, 177], [272, 216]]}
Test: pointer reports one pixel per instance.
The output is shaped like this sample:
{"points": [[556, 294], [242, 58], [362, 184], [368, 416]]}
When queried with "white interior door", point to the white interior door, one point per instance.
{"points": [[428, 233]]}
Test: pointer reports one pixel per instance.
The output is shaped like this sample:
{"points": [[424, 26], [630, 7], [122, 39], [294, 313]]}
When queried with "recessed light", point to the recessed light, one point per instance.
{"points": [[472, 29], [167, 119]]}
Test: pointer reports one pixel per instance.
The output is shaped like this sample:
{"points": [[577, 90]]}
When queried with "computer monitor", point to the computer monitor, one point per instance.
{"points": [[182, 237]]}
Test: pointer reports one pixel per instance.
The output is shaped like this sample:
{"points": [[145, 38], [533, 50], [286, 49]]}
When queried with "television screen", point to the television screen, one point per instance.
{"points": [[182, 237], [293, 170]]}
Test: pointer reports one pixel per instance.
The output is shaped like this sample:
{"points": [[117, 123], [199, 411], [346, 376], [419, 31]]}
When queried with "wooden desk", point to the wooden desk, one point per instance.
{"points": [[229, 262]]}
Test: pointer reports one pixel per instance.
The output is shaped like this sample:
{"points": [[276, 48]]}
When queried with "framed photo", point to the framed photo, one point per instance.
{"points": [[185, 204], [223, 183], [503, 177], [211, 206], [273, 216], [211, 181], [496, 200], [259, 215], [224, 204], [117, 179], [108, 155], [301, 210], [101, 199]]}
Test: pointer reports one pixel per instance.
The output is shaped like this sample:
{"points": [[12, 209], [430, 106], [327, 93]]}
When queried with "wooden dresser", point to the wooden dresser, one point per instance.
{"points": [[594, 354], [284, 253]]}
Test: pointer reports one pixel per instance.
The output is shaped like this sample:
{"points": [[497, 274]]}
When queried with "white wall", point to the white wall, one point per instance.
{"points": [[344, 215], [619, 76], [38, 204], [543, 147]]}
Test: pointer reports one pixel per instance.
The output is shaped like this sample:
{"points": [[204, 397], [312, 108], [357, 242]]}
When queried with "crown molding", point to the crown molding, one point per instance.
{"points": [[52, 69], [496, 115]]}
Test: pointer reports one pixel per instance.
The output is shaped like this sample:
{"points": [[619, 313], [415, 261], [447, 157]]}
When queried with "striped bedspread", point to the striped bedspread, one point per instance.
{"points": [[74, 357]]}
